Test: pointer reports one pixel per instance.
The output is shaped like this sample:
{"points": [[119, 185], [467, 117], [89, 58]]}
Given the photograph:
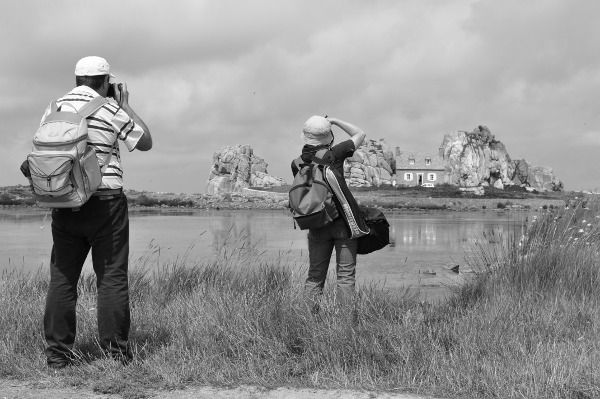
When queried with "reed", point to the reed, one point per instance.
{"points": [[526, 325]]}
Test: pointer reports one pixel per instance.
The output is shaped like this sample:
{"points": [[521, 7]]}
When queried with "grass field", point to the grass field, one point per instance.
{"points": [[526, 326]]}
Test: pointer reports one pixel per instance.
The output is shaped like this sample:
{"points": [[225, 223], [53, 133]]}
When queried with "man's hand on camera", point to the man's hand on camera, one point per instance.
{"points": [[122, 96]]}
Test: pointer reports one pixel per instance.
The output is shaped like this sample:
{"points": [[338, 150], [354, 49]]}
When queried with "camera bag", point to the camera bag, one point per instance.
{"points": [[64, 170], [379, 231]]}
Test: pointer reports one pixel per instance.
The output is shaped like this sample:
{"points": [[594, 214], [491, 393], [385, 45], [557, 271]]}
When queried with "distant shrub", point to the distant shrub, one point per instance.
{"points": [[501, 205], [7, 199], [431, 206], [176, 202], [143, 200]]}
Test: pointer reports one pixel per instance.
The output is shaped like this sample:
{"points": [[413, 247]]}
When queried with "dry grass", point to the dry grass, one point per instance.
{"points": [[526, 326]]}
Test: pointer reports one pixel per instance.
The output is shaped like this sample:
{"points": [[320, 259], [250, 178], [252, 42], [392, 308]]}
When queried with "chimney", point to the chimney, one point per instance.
{"points": [[397, 151], [441, 151]]}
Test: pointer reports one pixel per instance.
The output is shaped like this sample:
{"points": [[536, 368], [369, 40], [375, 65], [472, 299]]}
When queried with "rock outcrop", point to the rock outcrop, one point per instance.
{"points": [[538, 177], [373, 164], [235, 168], [477, 159]]}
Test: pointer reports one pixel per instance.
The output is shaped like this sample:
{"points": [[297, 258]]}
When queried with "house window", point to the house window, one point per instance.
{"points": [[408, 176], [411, 161], [427, 161], [431, 176]]}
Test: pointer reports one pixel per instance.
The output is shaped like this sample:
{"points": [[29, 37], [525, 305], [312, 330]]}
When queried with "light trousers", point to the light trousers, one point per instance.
{"points": [[321, 243]]}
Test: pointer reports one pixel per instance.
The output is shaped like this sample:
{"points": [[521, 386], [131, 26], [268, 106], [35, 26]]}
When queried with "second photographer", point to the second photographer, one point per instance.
{"points": [[100, 224]]}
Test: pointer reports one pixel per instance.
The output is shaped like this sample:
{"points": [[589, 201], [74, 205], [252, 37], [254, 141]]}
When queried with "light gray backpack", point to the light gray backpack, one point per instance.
{"points": [[64, 169]]}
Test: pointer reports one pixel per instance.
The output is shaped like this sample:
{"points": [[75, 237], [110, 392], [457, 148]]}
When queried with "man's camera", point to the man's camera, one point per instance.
{"points": [[112, 88]]}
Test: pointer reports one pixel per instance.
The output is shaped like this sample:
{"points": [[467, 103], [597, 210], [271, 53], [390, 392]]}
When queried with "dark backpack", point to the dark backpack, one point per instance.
{"points": [[311, 198]]}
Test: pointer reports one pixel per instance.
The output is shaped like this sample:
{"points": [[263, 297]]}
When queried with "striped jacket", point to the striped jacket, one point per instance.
{"points": [[105, 127]]}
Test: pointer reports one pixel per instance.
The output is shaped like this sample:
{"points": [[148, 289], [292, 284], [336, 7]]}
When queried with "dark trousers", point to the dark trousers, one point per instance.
{"points": [[101, 224]]}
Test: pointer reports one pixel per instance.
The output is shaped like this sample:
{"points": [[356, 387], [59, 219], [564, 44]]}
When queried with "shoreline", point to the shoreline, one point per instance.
{"points": [[399, 205], [252, 199]]}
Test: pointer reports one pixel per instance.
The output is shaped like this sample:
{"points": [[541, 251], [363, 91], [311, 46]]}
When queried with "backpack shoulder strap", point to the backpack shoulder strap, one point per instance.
{"points": [[108, 158], [299, 163], [92, 106], [318, 157], [315, 158], [89, 108]]}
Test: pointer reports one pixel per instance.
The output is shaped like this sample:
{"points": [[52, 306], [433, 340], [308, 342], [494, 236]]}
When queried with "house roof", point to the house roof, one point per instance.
{"points": [[404, 158]]}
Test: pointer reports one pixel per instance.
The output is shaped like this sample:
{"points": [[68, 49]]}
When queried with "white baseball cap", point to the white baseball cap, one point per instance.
{"points": [[92, 66]]}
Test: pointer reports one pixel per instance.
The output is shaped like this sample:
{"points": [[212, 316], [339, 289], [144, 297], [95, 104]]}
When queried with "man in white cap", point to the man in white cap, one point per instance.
{"points": [[317, 135], [101, 224]]}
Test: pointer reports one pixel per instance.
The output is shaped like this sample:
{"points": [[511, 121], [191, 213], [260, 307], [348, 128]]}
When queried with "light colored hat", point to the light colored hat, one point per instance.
{"points": [[92, 66], [317, 131]]}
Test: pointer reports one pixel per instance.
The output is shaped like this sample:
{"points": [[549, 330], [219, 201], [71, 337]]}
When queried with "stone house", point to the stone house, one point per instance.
{"points": [[417, 168]]}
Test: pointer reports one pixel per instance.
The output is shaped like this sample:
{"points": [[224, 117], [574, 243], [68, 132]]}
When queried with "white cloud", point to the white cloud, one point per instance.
{"points": [[204, 74]]}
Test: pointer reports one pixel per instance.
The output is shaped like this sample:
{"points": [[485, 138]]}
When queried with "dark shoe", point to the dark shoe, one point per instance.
{"points": [[58, 365], [316, 308], [124, 360], [122, 357]]}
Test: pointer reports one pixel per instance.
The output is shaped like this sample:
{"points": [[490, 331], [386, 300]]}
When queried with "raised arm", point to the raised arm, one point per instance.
{"points": [[356, 134], [145, 142]]}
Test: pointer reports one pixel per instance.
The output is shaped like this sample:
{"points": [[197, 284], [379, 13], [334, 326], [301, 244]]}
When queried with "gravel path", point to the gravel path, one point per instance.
{"points": [[12, 389]]}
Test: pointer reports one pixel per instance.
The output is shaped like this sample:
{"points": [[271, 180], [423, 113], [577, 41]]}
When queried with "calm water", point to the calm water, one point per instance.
{"points": [[424, 246]]}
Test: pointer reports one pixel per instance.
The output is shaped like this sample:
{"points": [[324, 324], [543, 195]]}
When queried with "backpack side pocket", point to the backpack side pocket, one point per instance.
{"points": [[90, 170]]}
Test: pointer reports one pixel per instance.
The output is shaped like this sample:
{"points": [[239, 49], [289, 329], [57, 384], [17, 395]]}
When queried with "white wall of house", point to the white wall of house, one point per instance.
{"points": [[412, 177]]}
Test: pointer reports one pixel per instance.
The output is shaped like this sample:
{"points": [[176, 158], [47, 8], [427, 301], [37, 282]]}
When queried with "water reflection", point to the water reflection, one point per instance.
{"points": [[245, 229], [455, 231]]}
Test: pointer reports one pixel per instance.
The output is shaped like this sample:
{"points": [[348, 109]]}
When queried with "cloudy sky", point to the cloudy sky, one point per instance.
{"points": [[205, 74]]}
